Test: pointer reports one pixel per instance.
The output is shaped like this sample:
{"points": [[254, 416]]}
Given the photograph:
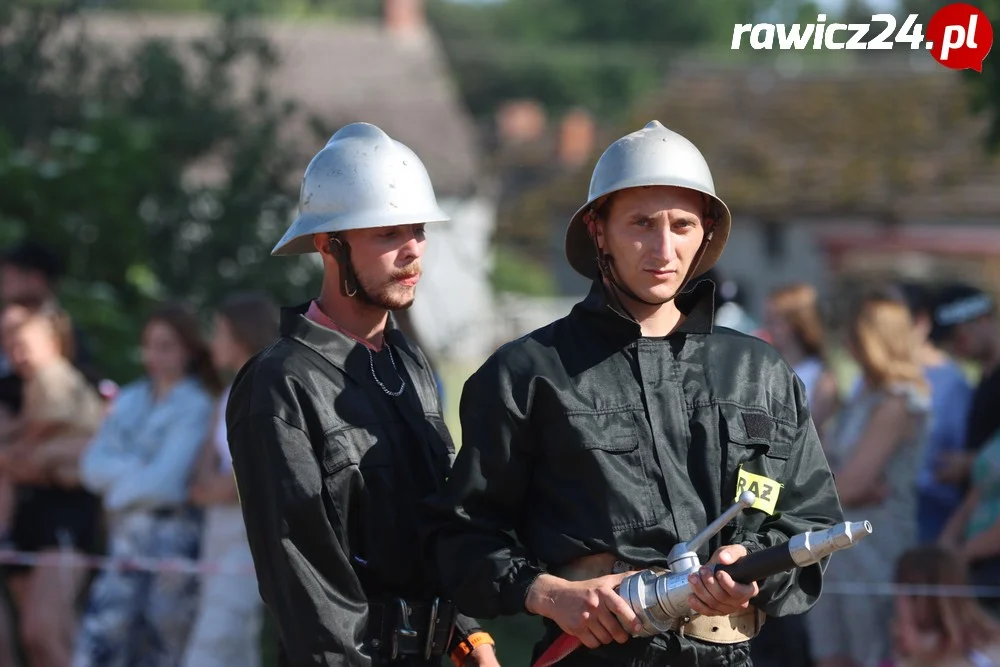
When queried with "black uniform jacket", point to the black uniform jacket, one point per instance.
{"points": [[329, 470], [584, 437]]}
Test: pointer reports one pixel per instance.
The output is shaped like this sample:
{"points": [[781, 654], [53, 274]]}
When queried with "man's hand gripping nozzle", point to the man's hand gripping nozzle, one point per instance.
{"points": [[660, 598]]}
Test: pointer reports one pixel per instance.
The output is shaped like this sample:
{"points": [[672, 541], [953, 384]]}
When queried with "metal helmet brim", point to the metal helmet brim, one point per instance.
{"points": [[299, 237]]}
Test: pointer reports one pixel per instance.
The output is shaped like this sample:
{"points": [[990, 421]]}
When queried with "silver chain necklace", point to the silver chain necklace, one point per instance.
{"points": [[371, 364]]}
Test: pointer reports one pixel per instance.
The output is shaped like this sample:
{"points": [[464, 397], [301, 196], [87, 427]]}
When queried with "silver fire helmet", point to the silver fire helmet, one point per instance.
{"points": [[653, 155], [361, 179]]}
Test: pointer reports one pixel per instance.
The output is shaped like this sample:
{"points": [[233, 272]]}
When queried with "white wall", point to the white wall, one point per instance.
{"points": [[795, 256], [454, 300]]}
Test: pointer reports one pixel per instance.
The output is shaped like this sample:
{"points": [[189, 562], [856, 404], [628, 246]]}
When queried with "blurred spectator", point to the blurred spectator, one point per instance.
{"points": [[52, 512], [966, 319], [227, 629], [29, 275], [875, 448], [10, 320], [793, 325], [951, 396], [795, 329], [940, 630], [974, 530], [141, 463]]}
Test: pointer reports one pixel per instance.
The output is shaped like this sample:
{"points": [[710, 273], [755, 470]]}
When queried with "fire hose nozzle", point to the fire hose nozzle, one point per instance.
{"points": [[808, 548], [659, 599]]}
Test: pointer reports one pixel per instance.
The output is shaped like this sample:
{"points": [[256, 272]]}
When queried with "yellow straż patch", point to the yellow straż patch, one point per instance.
{"points": [[765, 489]]}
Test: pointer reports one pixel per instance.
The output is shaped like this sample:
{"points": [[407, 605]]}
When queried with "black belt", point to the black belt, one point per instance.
{"points": [[400, 627]]}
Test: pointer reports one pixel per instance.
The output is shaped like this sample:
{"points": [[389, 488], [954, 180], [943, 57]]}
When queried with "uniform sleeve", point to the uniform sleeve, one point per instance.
{"points": [[808, 501], [465, 626], [482, 567], [300, 550]]}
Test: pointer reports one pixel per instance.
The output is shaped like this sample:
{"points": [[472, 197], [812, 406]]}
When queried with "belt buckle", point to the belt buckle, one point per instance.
{"points": [[431, 629], [404, 637]]}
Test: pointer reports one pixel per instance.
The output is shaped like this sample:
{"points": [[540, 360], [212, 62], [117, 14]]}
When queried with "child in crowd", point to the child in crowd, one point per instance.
{"points": [[936, 629]]}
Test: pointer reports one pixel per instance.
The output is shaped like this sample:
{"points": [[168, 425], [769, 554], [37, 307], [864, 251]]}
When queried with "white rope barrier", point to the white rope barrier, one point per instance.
{"points": [[66, 559], [887, 589]]}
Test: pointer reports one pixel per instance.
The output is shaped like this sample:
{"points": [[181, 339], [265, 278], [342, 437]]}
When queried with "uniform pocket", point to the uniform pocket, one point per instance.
{"points": [[601, 472], [362, 446], [364, 498], [755, 433], [758, 446]]}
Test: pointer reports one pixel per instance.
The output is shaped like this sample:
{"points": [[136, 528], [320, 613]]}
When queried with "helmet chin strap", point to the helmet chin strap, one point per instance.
{"points": [[350, 286]]}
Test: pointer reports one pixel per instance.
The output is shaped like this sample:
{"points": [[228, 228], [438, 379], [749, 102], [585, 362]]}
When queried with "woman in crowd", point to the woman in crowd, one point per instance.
{"points": [[875, 450], [52, 513], [140, 463], [227, 629], [936, 629], [951, 399], [974, 529], [795, 329]]}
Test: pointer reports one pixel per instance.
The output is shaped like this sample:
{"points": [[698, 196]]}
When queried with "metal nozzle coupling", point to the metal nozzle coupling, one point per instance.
{"points": [[809, 548]]}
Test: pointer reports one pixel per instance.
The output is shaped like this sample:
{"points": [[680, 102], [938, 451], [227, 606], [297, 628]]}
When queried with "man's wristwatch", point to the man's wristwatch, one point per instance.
{"points": [[468, 645]]}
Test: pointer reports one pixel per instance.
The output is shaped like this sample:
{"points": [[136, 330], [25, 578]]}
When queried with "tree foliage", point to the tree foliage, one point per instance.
{"points": [[156, 179], [592, 53]]}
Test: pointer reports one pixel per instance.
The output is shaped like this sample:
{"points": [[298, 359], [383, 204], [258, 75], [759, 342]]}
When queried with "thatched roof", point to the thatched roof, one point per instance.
{"points": [[343, 72], [885, 141]]}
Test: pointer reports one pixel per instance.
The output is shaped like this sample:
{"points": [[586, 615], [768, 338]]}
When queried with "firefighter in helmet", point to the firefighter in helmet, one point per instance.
{"points": [[595, 444], [336, 428]]}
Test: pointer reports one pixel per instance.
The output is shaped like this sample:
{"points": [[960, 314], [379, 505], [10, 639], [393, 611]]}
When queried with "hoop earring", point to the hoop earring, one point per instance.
{"points": [[347, 291]]}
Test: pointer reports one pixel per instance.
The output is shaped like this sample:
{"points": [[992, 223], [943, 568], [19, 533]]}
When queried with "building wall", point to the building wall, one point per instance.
{"points": [[454, 297], [761, 257]]}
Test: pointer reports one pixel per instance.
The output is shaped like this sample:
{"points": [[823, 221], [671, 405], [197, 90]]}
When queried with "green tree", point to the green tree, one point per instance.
{"points": [[156, 180], [592, 53]]}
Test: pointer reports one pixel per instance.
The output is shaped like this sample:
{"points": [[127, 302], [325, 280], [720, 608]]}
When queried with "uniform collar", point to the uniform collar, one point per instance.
{"points": [[343, 351], [696, 303]]}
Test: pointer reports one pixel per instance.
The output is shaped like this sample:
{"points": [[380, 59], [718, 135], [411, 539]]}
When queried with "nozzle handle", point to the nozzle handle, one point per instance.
{"points": [[746, 499], [760, 565]]}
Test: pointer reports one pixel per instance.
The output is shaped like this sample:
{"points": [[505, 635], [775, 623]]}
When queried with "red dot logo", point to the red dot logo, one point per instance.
{"points": [[960, 36]]}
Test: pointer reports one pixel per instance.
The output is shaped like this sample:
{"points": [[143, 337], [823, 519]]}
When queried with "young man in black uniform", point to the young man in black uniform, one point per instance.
{"points": [[597, 443], [336, 429]]}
